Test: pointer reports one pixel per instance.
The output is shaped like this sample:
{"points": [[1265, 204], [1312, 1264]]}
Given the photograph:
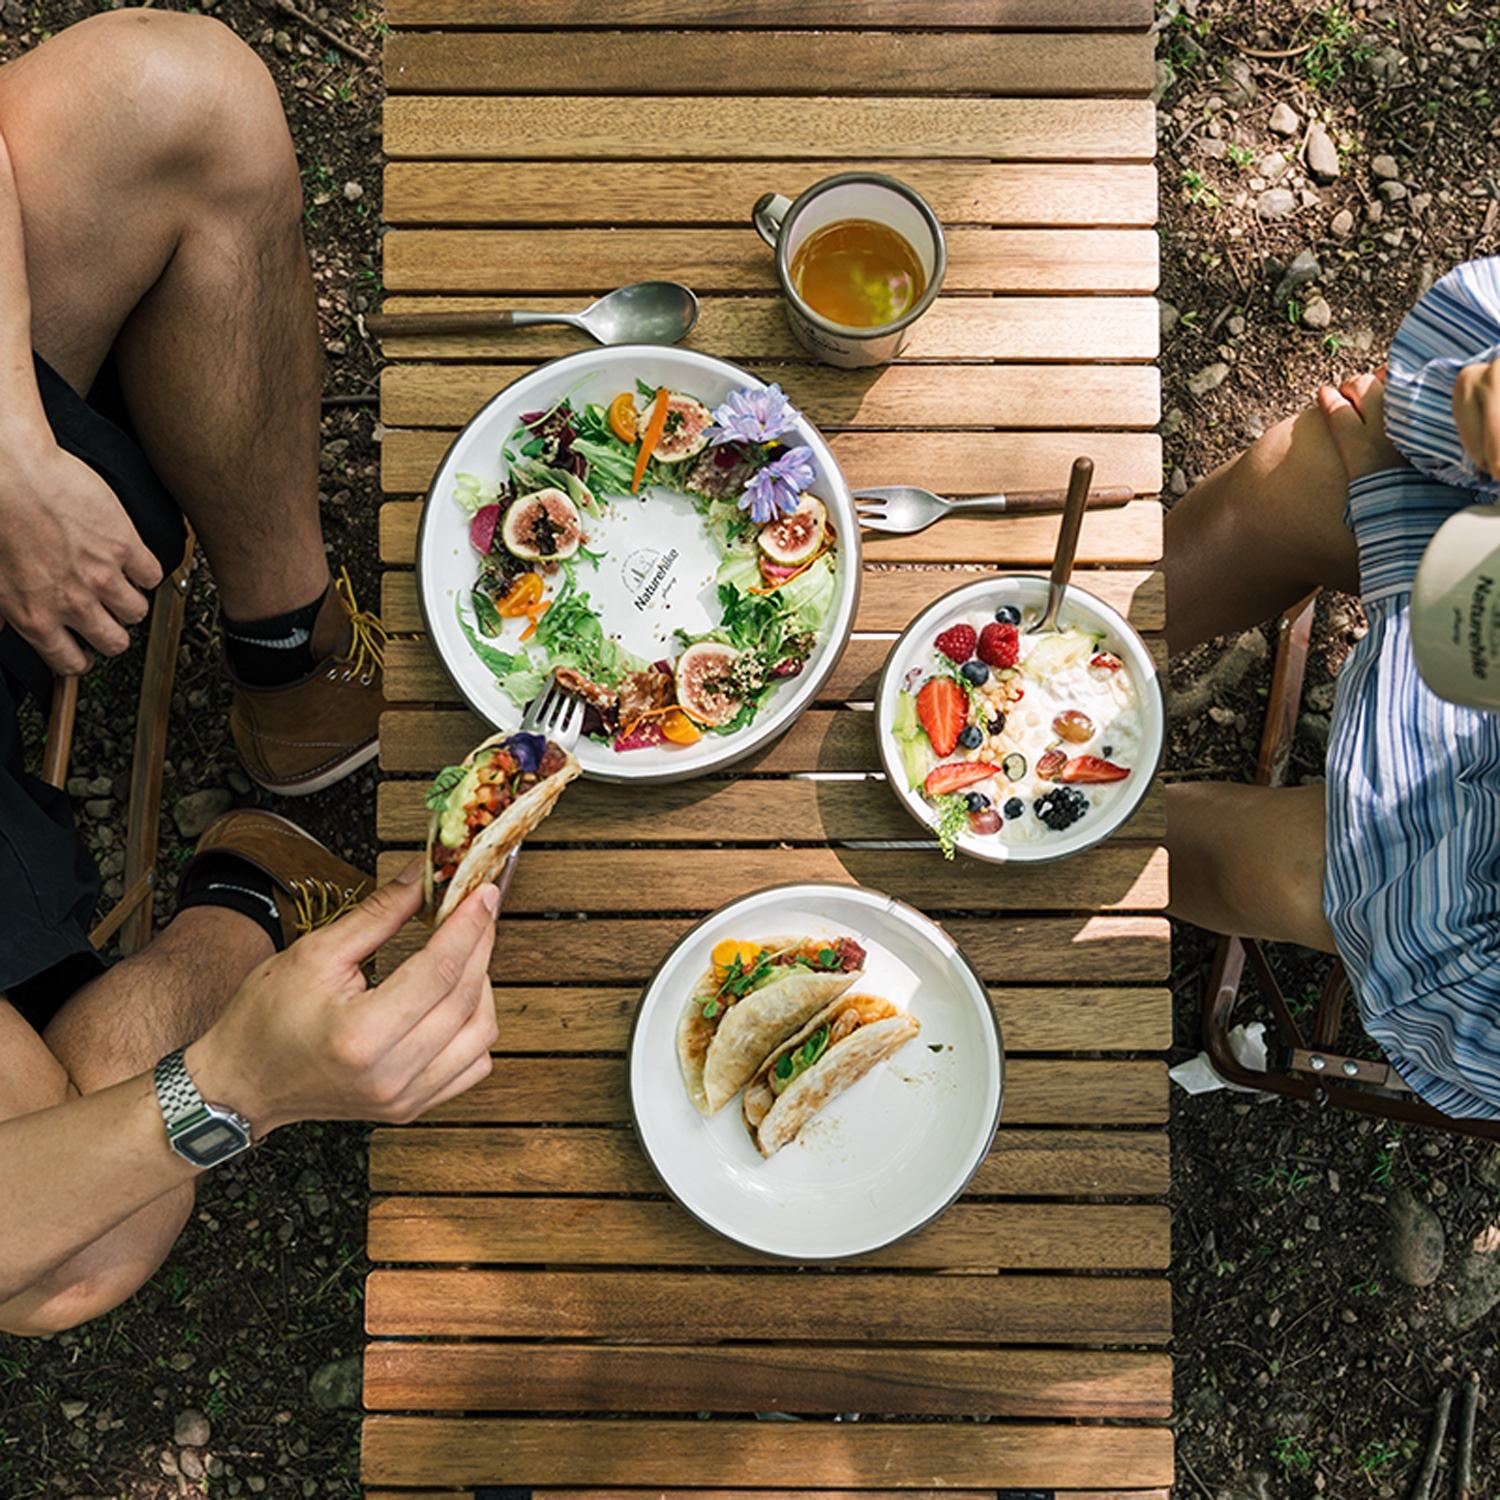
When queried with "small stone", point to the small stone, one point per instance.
{"points": [[1212, 146], [336, 347], [72, 1410], [1385, 167], [181, 1361], [353, 191], [1475, 1290], [1415, 1247], [282, 41], [1173, 422], [190, 1461], [238, 781], [1237, 83], [101, 786], [1178, 483], [99, 808], [1168, 315], [1276, 203], [336, 1386], [194, 812], [1392, 192], [1209, 378], [1395, 238], [1315, 728], [1304, 268], [1235, 327], [1166, 76], [1272, 165], [1343, 225], [1284, 120], [78, 786], [191, 1429], [1316, 314], [1321, 154]]}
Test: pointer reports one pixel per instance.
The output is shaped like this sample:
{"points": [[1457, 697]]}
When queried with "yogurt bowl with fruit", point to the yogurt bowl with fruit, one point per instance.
{"points": [[1016, 746]]}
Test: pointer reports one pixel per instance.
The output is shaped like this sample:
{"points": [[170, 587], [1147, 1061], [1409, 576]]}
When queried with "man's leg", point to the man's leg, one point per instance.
{"points": [[115, 1027], [161, 208]]}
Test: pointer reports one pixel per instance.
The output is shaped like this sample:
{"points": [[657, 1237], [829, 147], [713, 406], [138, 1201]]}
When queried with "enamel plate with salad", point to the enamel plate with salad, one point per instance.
{"points": [[815, 1071], [665, 534], [1012, 744]]}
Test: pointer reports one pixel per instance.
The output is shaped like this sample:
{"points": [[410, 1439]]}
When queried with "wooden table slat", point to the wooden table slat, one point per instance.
{"points": [[560, 1493], [1039, 1383], [1010, 194], [477, 127], [768, 62]]}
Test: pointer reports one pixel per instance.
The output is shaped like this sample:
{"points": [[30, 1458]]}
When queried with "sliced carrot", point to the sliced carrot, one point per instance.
{"points": [[535, 612], [522, 596], [622, 417], [653, 436]]}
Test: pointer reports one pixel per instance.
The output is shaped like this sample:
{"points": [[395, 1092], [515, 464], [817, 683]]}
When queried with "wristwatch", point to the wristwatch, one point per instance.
{"points": [[199, 1132]]}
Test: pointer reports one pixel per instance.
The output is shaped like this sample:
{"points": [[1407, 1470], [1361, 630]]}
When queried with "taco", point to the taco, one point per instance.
{"points": [[483, 808], [835, 1049], [754, 995]]}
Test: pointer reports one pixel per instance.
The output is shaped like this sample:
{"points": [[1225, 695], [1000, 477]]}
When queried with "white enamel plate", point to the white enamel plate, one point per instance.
{"points": [[885, 1157], [658, 573]]}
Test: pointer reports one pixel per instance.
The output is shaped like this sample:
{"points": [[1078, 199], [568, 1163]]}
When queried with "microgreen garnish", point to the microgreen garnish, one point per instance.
{"points": [[952, 818], [710, 1009], [827, 957]]}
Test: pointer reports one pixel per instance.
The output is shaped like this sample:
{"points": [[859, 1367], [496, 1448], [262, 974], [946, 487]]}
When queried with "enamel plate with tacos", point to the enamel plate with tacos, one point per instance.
{"points": [[815, 1071]]}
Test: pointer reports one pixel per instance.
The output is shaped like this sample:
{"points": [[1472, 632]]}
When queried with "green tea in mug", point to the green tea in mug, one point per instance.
{"points": [[858, 273]]}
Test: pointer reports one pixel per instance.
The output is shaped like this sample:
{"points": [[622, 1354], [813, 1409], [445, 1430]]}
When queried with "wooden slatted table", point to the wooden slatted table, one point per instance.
{"points": [[543, 1317]]}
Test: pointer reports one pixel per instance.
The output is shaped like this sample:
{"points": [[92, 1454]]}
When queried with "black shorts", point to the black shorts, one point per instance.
{"points": [[49, 884]]}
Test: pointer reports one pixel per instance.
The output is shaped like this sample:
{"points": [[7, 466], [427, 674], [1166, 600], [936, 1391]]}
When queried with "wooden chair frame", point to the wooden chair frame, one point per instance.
{"points": [[1304, 1064], [131, 915]]}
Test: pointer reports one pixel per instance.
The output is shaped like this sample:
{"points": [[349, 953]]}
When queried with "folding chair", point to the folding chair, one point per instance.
{"points": [[1303, 1062], [131, 914]]}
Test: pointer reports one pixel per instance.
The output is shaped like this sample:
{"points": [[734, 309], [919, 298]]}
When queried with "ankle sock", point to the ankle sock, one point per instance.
{"points": [[274, 651], [229, 881]]}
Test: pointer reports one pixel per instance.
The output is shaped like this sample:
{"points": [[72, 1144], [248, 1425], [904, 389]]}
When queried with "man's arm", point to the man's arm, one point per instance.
{"points": [[302, 1039], [23, 424]]}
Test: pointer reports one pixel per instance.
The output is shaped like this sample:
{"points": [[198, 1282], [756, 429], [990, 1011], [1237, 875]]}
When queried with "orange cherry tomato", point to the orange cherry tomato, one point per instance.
{"points": [[679, 728], [522, 596], [622, 417]]}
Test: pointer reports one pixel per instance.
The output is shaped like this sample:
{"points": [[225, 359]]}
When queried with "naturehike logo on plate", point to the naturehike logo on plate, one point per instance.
{"points": [[647, 574]]}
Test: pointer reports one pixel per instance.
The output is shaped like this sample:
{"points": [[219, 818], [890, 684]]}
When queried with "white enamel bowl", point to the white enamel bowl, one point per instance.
{"points": [[659, 573], [885, 1157]]}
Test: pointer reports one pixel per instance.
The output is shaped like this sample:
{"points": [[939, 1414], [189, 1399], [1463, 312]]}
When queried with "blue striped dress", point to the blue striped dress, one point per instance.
{"points": [[1412, 878]]}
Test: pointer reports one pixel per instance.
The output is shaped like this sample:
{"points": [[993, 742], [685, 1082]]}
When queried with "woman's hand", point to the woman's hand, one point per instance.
{"points": [[1355, 414], [305, 1038]]}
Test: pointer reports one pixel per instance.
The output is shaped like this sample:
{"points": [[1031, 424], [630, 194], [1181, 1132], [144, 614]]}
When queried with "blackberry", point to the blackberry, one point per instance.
{"points": [[976, 672], [1008, 614], [997, 724], [1061, 808], [976, 802], [1014, 807], [971, 737]]}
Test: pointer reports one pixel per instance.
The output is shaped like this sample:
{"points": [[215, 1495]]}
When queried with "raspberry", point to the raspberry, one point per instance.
{"points": [[957, 642], [1000, 645]]}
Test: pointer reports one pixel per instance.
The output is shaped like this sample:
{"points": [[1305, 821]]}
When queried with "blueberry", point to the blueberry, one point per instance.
{"points": [[976, 672], [971, 737], [1008, 614], [1106, 751], [1014, 807], [997, 724], [976, 801]]}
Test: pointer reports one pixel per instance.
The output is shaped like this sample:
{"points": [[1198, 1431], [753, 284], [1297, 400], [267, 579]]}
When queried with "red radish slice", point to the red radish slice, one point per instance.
{"points": [[482, 528]]}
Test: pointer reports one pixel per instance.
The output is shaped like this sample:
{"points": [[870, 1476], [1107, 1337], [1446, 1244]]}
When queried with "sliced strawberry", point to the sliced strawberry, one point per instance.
{"points": [[1000, 645], [1049, 764], [957, 643], [1090, 768], [957, 774], [1106, 661], [943, 708]]}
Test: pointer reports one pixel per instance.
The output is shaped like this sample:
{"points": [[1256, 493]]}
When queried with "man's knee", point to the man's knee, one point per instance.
{"points": [[64, 1304]]}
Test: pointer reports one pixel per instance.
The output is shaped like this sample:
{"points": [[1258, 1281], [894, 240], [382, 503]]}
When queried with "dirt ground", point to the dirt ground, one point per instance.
{"points": [[1307, 1363]]}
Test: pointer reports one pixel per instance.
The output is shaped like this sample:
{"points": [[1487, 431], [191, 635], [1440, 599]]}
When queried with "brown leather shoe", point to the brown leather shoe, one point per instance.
{"points": [[306, 735], [313, 885]]}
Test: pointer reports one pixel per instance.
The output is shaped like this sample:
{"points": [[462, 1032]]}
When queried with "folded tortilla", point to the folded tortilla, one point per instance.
{"points": [[833, 1051], [719, 1054], [483, 856]]}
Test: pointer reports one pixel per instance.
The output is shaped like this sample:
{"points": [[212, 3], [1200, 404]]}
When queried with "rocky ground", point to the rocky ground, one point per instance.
{"points": [[1321, 165]]}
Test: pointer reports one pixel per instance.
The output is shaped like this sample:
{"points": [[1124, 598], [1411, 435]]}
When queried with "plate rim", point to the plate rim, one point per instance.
{"points": [[817, 887], [732, 755], [893, 771]]}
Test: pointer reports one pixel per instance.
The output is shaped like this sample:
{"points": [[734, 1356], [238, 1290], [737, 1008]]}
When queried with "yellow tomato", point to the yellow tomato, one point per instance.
{"points": [[679, 728], [729, 949]]}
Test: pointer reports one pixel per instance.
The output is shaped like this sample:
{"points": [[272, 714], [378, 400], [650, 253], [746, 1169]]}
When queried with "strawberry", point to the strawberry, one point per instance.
{"points": [[1000, 645], [1049, 763], [1106, 661], [958, 773], [1090, 768], [943, 708], [957, 643]]}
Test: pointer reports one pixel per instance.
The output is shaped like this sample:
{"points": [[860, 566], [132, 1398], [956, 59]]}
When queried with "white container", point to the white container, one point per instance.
{"points": [[1455, 609]]}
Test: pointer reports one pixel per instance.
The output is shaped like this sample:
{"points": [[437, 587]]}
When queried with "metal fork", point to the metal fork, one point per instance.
{"points": [[558, 714], [904, 508]]}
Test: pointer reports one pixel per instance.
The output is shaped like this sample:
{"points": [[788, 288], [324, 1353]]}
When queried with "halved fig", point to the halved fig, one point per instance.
{"points": [[704, 685], [542, 527], [686, 431], [792, 540]]}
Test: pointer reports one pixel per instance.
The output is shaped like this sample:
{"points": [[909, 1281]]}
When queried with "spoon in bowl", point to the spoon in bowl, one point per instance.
{"points": [[645, 312], [1067, 543]]}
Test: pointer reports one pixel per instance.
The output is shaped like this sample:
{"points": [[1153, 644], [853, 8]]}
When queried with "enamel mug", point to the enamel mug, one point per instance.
{"points": [[785, 224], [1455, 609]]}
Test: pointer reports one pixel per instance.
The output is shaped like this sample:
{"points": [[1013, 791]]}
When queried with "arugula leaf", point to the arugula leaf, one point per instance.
{"points": [[500, 663], [611, 463], [827, 957], [644, 389], [952, 818], [443, 783], [533, 448], [486, 616]]}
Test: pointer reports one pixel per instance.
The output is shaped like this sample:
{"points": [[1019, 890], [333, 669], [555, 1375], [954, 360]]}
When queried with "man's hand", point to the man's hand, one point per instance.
{"points": [[1355, 414], [1476, 411], [306, 1039], [70, 560]]}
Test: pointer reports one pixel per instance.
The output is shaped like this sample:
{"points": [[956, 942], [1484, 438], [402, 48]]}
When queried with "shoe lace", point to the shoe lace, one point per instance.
{"points": [[316, 903], [366, 652]]}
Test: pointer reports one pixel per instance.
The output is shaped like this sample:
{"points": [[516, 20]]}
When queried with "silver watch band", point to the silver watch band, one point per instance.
{"points": [[176, 1092]]}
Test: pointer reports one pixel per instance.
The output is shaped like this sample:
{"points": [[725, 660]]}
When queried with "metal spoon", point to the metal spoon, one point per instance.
{"points": [[1067, 543], [645, 312]]}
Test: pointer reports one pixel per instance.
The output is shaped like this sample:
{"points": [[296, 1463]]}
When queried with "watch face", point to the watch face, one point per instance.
{"points": [[210, 1142]]}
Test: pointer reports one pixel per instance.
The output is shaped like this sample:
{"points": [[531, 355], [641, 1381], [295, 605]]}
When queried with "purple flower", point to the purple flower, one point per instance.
{"points": [[753, 416], [527, 750], [776, 489]]}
